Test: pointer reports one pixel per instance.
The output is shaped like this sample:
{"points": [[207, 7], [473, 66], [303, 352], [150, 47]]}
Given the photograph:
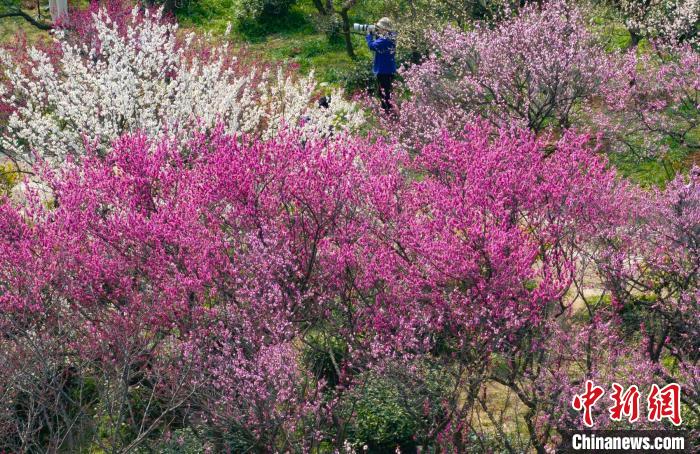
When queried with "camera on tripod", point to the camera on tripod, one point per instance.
{"points": [[364, 28]]}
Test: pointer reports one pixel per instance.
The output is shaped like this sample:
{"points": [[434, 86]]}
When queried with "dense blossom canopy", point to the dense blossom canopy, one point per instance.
{"points": [[653, 104], [144, 250]]}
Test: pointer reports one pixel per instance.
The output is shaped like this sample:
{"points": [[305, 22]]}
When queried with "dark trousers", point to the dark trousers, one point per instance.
{"points": [[384, 81]]}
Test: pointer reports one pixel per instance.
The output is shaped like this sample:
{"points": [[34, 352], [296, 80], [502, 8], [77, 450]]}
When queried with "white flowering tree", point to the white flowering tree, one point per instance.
{"points": [[673, 20], [139, 76]]}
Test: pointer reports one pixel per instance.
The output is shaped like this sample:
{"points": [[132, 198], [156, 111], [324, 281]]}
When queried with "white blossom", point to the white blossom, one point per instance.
{"points": [[667, 19], [147, 80]]}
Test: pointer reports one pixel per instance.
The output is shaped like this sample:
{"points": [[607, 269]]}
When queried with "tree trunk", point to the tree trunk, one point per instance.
{"points": [[320, 7], [346, 33], [169, 7], [58, 8]]}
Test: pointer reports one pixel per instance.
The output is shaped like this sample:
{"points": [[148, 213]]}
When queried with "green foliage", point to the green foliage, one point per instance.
{"points": [[609, 27], [317, 356], [9, 6], [9, 177], [358, 76], [182, 441], [382, 419], [289, 22], [400, 406], [210, 15], [252, 21], [634, 313], [260, 9], [650, 172]]}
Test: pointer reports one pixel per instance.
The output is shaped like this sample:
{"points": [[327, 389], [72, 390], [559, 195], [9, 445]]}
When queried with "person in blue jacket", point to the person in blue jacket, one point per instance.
{"points": [[382, 42]]}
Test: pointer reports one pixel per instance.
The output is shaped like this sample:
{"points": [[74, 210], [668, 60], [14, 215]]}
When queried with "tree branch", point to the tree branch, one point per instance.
{"points": [[28, 18]]}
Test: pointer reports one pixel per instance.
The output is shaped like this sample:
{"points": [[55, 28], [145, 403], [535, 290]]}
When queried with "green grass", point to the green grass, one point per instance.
{"points": [[327, 58], [214, 15], [608, 27], [651, 172], [291, 38], [11, 27]]}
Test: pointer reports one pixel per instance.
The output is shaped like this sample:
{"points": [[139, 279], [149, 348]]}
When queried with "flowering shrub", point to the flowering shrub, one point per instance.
{"points": [[137, 75], [477, 236], [144, 252], [416, 20], [638, 323], [576, 352], [543, 70]]}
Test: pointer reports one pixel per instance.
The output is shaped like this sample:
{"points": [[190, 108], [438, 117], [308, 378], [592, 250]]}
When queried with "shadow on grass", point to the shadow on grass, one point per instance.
{"points": [[293, 22], [289, 38], [215, 14]]}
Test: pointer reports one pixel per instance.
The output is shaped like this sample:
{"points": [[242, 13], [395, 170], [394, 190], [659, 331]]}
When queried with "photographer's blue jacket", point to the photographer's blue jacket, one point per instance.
{"points": [[384, 48]]}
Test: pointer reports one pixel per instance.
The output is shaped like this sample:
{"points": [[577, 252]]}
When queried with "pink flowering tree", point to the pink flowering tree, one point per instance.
{"points": [[478, 253], [651, 109], [532, 70], [180, 288], [543, 69], [597, 349], [180, 285], [653, 276]]}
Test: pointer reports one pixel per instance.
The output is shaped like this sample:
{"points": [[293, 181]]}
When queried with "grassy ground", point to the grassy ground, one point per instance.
{"points": [[13, 26], [292, 38]]}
